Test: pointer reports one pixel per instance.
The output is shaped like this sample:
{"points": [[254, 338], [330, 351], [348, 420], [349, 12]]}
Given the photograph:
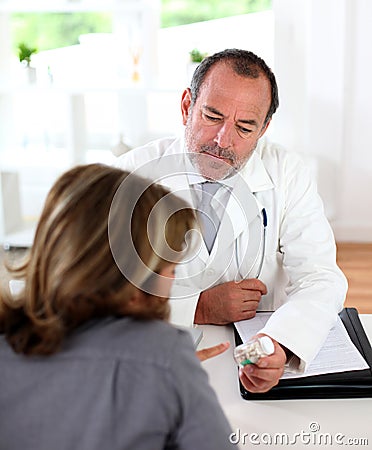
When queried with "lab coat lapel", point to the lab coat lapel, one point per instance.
{"points": [[243, 211], [255, 174]]}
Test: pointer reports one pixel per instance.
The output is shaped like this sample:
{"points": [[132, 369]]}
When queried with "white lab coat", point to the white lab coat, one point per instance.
{"points": [[306, 289]]}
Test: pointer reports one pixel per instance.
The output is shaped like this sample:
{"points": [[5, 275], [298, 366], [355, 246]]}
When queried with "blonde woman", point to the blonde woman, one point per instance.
{"points": [[87, 358]]}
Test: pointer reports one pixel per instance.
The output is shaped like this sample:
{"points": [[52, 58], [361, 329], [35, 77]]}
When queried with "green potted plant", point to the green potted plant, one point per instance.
{"points": [[24, 54], [197, 56]]}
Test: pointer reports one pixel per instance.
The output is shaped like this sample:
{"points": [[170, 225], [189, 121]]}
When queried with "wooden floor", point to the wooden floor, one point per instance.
{"points": [[354, 259], [356, 262]]}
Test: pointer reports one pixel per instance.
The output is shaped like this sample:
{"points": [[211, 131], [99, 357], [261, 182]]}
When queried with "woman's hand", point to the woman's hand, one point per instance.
{"points": [[210, 352]]}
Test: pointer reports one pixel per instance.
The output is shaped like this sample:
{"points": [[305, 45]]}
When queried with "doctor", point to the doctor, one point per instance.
{"points": [[268, 245]]}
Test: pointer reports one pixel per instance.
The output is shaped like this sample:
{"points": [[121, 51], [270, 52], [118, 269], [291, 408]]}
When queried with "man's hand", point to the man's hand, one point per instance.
{"points": [[265, 374], [229, 302], [210, 352]]}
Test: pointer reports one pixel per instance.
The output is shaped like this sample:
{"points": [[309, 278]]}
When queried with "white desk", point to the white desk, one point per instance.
{"points": [[350, 418]]}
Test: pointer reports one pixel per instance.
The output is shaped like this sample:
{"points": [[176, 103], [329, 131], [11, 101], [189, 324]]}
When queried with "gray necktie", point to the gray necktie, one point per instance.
{"points": [[208, 217]]}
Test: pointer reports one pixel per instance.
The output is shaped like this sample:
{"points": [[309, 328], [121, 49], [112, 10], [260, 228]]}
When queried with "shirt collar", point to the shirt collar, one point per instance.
{"points": [[255, 173]]}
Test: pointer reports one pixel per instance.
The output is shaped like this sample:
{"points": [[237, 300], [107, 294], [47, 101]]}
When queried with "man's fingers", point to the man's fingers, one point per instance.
{"points": [[256, 386], [252, 296], [253, 284], [249, 306], [210, 352], [268, 375], [244, 315], [261, 381]]}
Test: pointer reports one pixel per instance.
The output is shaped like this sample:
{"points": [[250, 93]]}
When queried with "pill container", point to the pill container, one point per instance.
{"points": [[253, 350]]}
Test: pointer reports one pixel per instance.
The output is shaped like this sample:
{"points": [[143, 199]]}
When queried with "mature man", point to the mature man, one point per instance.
{"points": [[267, 244]]}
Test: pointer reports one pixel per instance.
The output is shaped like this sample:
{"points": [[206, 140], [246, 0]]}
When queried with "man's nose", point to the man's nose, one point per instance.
{"points": [[225, 135]]}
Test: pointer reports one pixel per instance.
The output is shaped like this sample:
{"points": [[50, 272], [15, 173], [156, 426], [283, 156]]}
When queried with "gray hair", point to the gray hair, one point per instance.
{"points": [[244, 63]]}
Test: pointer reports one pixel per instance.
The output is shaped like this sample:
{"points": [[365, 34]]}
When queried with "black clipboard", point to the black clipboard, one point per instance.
{"points": [[352, 384]]}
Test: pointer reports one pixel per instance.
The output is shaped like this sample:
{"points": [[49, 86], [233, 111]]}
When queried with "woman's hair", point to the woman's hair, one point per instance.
{"points": [[92, 253], [245, 64]]}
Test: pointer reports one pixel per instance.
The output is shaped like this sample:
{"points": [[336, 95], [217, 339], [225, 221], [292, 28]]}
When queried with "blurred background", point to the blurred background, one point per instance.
{"points": [[99, 77]]}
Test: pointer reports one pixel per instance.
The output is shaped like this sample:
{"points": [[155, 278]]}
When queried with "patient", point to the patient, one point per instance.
{"points": [[87, 358]]}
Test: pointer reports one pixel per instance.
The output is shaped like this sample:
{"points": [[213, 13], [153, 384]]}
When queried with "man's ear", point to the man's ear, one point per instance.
{"points": [[263, 131], [185, 105]]}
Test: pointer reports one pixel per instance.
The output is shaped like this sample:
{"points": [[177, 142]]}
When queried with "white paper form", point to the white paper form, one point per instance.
{"points": [[338, 353]]}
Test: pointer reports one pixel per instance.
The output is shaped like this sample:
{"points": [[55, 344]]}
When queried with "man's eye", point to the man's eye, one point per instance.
{"points": [[244, 130], [212, 118]]}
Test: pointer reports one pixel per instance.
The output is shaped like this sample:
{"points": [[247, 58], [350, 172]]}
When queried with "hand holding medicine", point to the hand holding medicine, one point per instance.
{"points": [[266, 363], [252, 351]]}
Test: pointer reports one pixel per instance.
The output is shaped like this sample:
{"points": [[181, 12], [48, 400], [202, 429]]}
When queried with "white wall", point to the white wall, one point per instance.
{"points": [[323, 62], [253, 32]]}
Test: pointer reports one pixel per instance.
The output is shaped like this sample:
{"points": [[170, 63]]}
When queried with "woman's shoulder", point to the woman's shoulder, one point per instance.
{"points": [[153, 341]]}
